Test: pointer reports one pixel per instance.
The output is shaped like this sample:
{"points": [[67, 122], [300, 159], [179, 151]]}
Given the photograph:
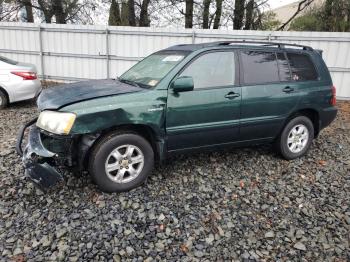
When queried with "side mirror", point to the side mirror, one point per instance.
{"points": [[183, 84]]}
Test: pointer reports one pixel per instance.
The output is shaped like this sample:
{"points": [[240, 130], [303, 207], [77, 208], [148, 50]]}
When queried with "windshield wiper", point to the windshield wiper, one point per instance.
{"points": [[133, 83]]}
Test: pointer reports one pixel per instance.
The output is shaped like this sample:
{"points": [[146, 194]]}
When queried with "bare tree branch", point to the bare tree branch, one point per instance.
{"points": [[302, 5]]}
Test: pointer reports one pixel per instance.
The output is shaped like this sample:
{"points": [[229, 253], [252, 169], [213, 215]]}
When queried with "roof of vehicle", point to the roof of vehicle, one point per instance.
{"points": [[237, 44]]}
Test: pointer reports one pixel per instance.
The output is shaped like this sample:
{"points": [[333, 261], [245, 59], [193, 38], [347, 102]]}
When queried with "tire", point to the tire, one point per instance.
{"points": [[3, 100], [128, 171], [296, 137]]}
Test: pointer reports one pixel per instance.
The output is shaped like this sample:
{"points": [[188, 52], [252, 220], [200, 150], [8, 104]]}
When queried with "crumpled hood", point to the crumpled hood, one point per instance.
{"points": [[57, 97]]}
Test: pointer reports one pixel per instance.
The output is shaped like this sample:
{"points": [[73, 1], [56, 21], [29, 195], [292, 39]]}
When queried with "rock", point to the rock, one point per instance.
{"points": [[299, 246], [129, 250], [61, 232], [210, 239], [17, 251], [45, 241], [198, 253], [238, 204], [269, 234], [135, 205], [160, 246]]}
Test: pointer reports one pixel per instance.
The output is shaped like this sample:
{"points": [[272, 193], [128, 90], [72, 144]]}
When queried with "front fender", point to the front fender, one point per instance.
{"points": [[97, 115]]}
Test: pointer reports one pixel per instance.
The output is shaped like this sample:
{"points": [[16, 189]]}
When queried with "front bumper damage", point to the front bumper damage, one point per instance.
{"points": [[36, 159]]}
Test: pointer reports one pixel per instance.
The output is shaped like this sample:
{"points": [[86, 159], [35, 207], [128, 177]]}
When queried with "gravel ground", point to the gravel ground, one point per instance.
{"points": [[242, 204]]}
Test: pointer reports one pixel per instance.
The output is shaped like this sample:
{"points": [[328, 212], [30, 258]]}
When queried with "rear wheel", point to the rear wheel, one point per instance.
{"points": [[296, 137], [3, 100], [121, 161]]}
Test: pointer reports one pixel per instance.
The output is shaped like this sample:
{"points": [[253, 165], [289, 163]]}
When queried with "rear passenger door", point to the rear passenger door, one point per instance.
{"points": [[268, 93]]}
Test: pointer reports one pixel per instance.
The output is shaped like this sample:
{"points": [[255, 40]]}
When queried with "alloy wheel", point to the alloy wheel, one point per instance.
{"points": [[124, 163], [298, 138]]}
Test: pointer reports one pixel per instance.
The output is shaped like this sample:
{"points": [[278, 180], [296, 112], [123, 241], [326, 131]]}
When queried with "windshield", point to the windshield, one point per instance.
{"points": [[8, 61], [148, 72]]}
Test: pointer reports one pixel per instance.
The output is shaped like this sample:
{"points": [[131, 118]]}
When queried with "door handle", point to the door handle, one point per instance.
{"points": [[288, 89], [232, 95]]}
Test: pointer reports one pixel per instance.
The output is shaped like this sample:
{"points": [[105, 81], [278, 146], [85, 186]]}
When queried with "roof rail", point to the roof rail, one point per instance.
{"points": [[264, 43]]}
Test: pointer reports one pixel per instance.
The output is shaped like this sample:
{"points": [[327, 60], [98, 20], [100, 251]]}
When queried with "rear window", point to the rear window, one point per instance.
{"points": [[302, 68], [259, 67], [8, 61]]}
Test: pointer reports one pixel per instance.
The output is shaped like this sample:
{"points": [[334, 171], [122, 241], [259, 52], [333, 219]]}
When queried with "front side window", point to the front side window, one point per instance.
{"points": [[212, 70], [302, 67], [148, 72], [259, 67]]}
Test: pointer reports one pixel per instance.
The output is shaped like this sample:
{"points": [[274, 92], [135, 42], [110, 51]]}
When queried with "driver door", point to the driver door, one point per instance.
{"points": [[209, 114]]}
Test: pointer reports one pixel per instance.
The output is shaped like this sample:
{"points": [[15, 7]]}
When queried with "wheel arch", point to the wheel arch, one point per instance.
{"points": [[310, 113], [143, 130], [6, 93]]}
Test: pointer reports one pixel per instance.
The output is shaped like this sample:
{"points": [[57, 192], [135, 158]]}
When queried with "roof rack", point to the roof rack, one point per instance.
{"points": [[264, 43]]}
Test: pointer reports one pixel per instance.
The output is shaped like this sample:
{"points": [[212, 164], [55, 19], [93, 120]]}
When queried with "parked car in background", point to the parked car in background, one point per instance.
{"points": [[18, 81], [181, 99]]}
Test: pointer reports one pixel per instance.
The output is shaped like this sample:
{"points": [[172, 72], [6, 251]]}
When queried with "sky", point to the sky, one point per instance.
{"points": [[278, 3]]}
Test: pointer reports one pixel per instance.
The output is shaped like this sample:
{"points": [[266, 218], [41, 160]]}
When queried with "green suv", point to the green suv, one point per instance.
{"points": [[183, 98]]}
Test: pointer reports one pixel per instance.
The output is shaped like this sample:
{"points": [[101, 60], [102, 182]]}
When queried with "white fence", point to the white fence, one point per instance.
{"points": [[70, 52]]}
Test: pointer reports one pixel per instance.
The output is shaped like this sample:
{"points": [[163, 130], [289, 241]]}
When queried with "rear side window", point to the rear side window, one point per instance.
{"points": [[302, 67], [259, 67], [283, 66]]}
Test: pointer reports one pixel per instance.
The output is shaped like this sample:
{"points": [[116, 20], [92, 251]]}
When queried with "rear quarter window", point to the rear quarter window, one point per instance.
{"points": [[302, 68]]}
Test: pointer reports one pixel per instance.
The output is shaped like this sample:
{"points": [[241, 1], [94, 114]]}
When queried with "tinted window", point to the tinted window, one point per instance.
{"points": [[283, 67], [8, 61], [212, 70], [302, 68], [259, 67]]}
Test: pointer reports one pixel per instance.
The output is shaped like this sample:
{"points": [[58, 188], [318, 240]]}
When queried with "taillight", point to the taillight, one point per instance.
{"points": [[333, 99], [25, 75]]}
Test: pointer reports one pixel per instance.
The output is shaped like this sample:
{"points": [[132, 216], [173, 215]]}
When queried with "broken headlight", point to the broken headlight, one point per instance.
{"points": [[56, 122]]}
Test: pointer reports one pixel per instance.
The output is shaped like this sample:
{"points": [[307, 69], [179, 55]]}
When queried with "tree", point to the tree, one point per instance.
{"points": [[114, 14], [131, 13], [266, 21], [307, 22], [125, 14], [238, 14], [332, 16], [144, 18], [218, 13], [249, 15], [57, 10], [301, 6], [189, 14], [29, 11], [206, 13]]}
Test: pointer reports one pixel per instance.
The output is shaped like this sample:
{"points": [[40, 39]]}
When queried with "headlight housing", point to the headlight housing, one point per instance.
{"points": [[59, 123]]}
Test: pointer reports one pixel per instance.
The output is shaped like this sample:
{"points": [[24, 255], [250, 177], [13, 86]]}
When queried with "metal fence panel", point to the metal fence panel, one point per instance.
{"points": [[76, 52]]}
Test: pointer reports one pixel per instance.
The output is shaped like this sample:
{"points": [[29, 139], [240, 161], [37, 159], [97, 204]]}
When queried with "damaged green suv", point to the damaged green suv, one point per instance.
{"points": [[183, 98]]}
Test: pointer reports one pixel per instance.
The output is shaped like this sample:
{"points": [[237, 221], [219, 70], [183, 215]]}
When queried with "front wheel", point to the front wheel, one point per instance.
{"points": [[296, 137], [121, 161]]}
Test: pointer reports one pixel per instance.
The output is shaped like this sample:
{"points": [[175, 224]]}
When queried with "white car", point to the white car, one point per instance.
{"points": [[18, 81]]}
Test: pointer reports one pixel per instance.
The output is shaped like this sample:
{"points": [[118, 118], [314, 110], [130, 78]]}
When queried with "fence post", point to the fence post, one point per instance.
{"points": [[107, 51], [41, 53]]}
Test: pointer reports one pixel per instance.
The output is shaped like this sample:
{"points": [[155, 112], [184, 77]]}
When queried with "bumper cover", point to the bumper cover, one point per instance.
{"points": [[36, 159], [327, 116]]}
